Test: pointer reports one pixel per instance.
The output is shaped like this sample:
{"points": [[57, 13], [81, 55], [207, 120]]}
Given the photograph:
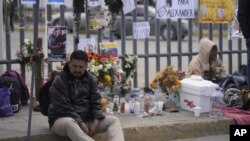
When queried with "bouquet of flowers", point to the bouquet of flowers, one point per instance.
{"points": [[129, 65], [26, 55], [168, 80], [103, 70]]}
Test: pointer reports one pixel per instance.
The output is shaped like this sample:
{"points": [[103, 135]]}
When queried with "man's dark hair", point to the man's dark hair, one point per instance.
{"points": [[79, 55]]}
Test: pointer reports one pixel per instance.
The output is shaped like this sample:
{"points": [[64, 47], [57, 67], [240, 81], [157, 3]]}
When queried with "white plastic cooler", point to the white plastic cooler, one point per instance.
{"points": [[196, 91]]}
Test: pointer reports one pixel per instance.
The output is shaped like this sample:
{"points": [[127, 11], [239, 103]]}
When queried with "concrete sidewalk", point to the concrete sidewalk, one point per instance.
{"points": [[169, 126]]}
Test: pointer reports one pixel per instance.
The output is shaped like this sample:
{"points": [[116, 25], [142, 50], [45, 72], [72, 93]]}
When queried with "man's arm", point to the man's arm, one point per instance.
{"points": [[60, 100]]}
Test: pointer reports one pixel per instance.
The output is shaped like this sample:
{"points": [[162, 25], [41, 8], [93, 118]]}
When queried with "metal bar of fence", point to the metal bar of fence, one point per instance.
{"points": [[49, 18], [49, 15], [135, 48], [187, 54], [99, 35], [62, 22], [230, 67], [233, 52], [190, 39], [179, 44], [165, 54], [36, 19], [21, 34], [200, 30], [168, 42], [7, 33], [123, 31], [220, 44], [87, 31], [240, 53], [146, 46], [111, 33], [157, 43], [1, 35], [210, 30], [13, 61]]}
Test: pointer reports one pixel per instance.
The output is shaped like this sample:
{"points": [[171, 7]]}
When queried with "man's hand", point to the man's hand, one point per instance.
{"points": [[93, 127], [83, 127]]}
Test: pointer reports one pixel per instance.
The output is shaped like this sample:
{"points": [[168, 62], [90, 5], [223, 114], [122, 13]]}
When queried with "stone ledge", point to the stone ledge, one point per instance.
{"points": [[157, 132]]}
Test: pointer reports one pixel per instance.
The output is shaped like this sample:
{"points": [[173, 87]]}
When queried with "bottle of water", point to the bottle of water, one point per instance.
{"points": [[132, 105], [216, 104], [159, 95]]}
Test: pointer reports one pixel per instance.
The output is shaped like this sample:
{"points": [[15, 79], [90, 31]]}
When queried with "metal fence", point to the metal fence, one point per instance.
{"points": [[154, 54]]}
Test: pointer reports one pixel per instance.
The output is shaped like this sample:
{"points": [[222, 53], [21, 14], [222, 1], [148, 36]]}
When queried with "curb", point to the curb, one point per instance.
{"points": [[158, 132]]}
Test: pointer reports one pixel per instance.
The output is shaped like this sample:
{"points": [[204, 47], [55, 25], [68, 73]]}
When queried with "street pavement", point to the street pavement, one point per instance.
{"points": [[222, 137]]}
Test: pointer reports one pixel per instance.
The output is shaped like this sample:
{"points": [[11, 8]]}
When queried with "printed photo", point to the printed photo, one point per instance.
{"points": [[57, 41]]}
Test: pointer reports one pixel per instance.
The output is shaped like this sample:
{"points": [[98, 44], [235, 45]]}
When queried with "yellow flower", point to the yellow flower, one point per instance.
{"points": [[158, 75], [107, 78], [153, 84]]}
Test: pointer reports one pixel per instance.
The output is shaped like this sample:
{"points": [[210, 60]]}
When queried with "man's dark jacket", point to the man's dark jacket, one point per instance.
{"points": [[74, 97], [244, 17]]}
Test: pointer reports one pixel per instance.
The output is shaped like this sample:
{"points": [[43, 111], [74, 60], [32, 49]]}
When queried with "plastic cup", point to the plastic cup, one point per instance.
{"points": [[160, 106], [197, 111]]}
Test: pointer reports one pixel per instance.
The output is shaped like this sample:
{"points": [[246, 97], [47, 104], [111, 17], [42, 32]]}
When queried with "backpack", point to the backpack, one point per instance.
{"points": [[25, 95], [15, 91], [236, 80], [43, 94]]}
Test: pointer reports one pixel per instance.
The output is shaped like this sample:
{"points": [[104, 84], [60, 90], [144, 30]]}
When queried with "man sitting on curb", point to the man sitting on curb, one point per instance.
{"points": [[75, 109]]}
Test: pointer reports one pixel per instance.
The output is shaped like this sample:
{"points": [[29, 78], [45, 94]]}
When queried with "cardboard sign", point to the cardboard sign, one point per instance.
{"points": [[219, 11]]}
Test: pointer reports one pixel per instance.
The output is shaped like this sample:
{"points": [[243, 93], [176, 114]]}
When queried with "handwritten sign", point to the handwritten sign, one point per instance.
{"points": [[88, 45], [28, 2], [128, 6], [174, 9], [94, 3], [219, 11], [56, 2], [141, 30]]}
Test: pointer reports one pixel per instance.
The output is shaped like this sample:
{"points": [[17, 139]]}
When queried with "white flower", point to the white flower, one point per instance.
{"points": [[127, 66], [105, 69], [27, 41], [100, 67], [108, 66]]}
